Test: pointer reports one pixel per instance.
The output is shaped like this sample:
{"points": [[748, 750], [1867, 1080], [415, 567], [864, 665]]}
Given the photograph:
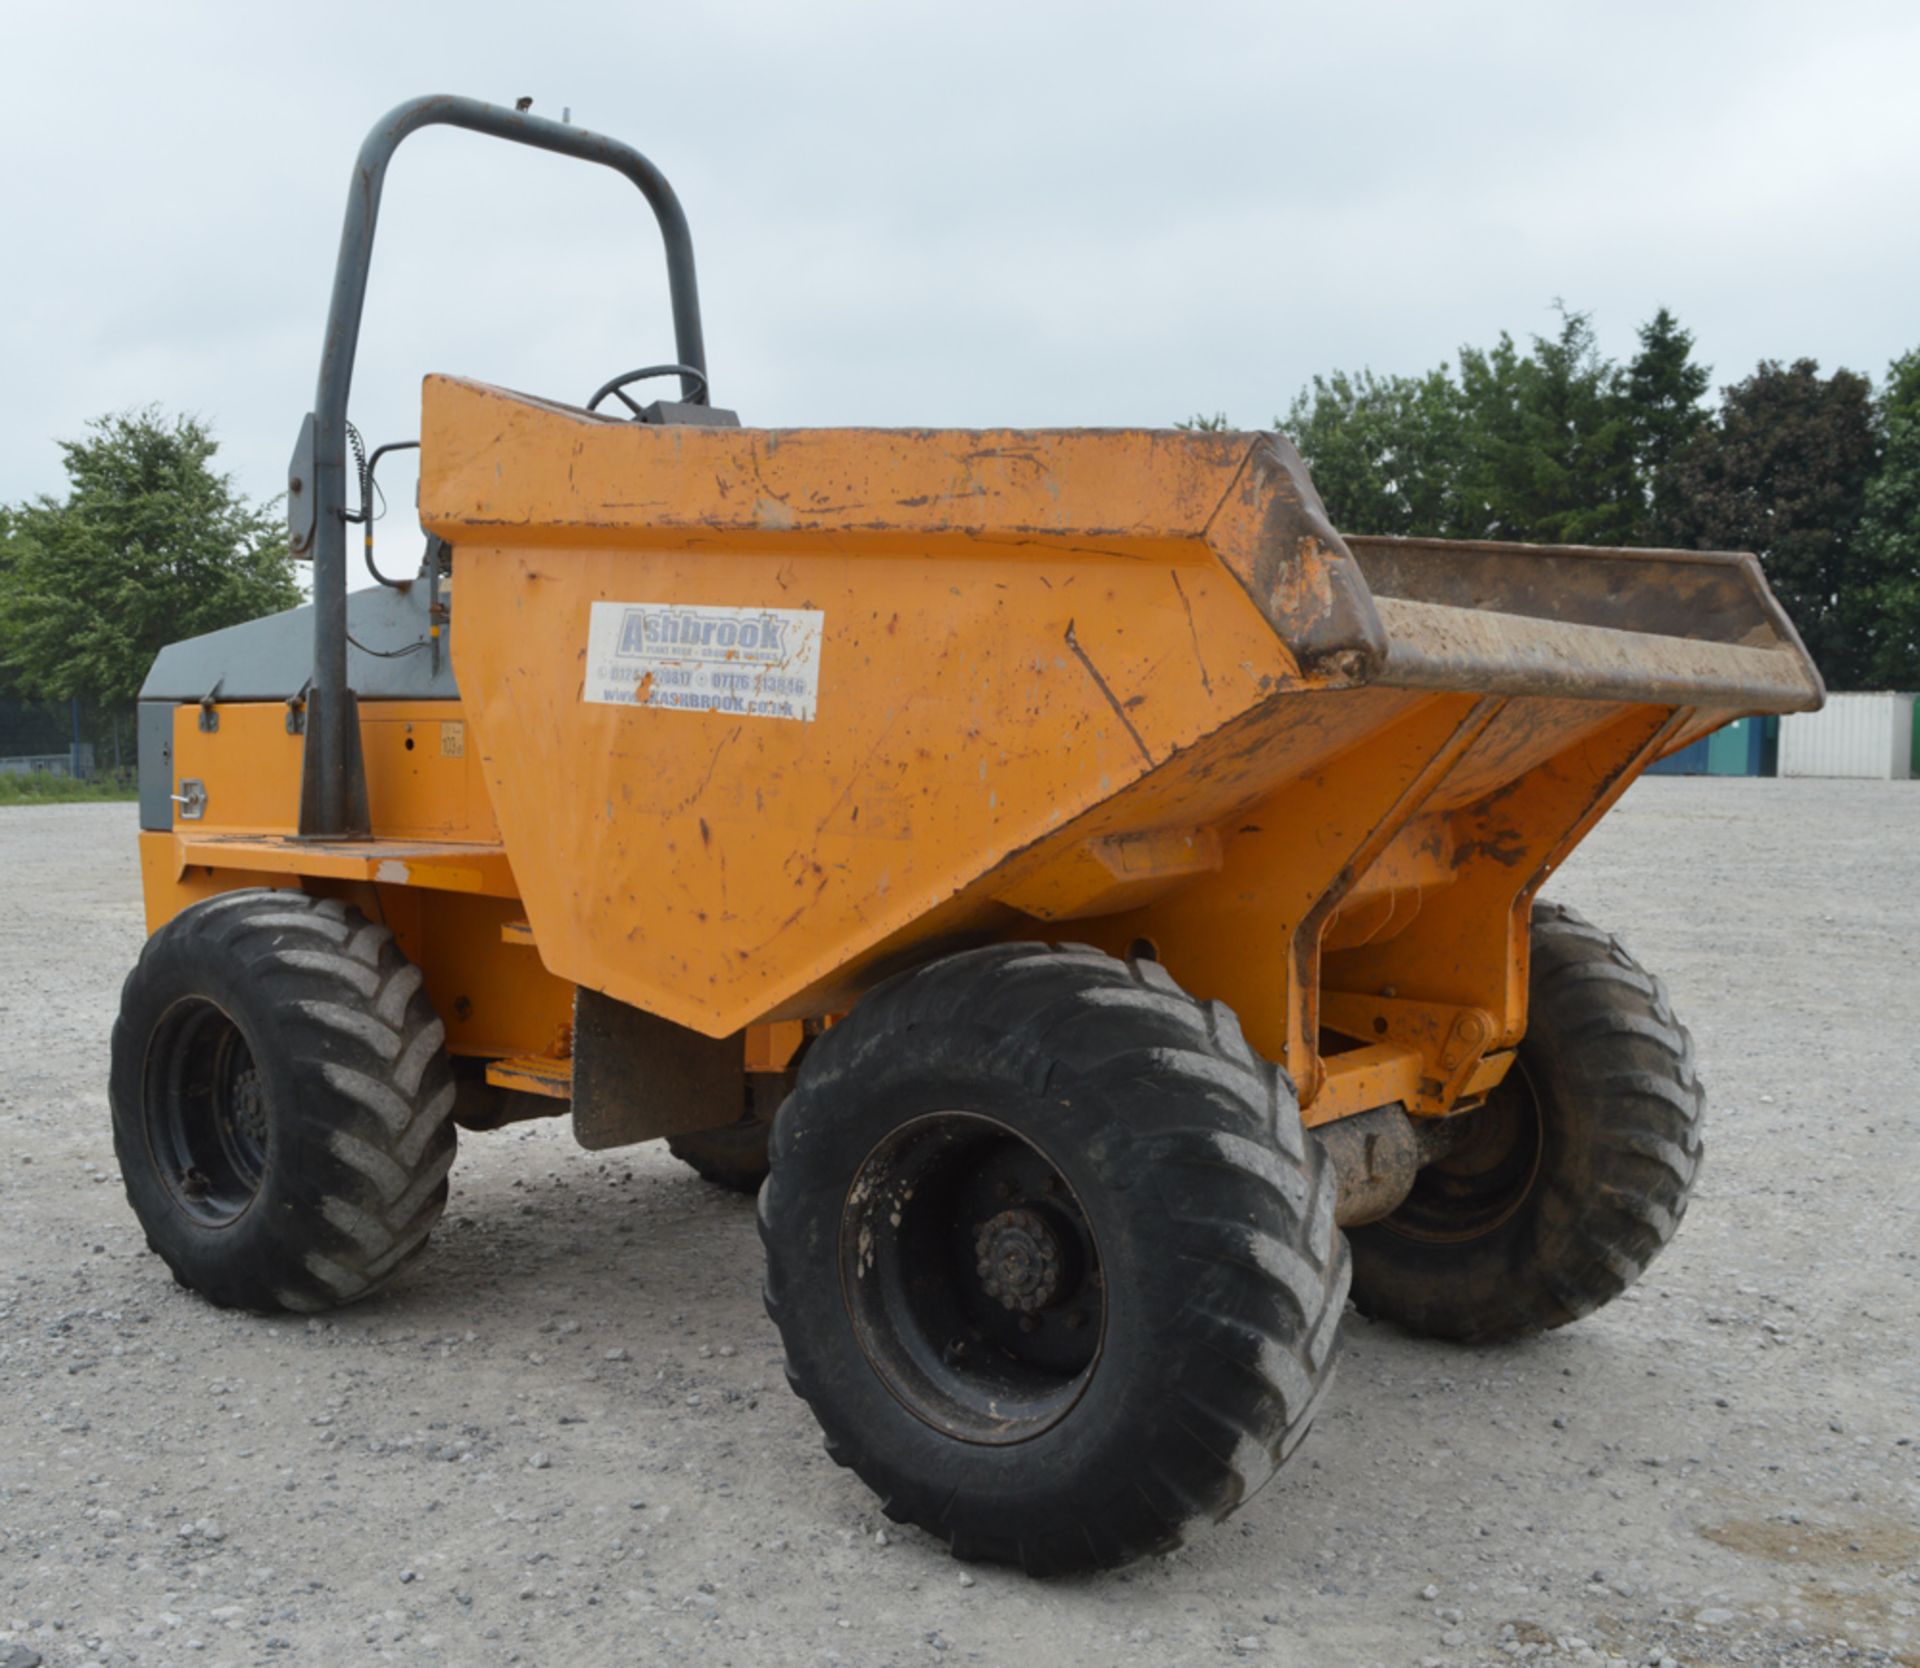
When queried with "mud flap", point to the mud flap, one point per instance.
{"points": [[637, 1076]]}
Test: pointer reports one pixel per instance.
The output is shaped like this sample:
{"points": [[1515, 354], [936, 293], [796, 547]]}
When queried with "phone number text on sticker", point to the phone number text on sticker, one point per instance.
{"points": [[750, 662]]}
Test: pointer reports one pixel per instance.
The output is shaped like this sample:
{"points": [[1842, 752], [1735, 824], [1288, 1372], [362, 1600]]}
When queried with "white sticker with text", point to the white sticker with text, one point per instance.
{"points": [[752, 662]]}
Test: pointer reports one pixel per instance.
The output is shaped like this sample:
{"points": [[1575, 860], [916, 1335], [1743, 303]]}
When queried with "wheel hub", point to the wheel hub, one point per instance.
{"points": [[207, 1113], [972, 1277], [1019, 1260]]}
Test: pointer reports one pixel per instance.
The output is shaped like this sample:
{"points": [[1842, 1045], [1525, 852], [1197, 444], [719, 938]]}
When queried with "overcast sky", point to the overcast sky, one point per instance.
{"points": [[959, 214]]}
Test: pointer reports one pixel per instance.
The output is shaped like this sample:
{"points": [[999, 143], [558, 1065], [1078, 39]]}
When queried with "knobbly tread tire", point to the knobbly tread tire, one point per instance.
{"points": [[358, 1090], [1623, 1110], [737, 1160], [1225, 1273], [734, 1156]]}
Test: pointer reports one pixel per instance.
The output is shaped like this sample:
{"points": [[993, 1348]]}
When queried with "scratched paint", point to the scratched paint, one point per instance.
{"points": [[1037, 642]]}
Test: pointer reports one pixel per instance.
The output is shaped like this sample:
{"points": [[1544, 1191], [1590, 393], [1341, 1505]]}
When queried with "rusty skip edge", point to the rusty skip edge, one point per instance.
{"points": [[1434, 646], [1660, 627]]}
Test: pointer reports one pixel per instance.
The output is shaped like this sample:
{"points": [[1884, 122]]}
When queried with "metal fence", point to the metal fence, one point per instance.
{"points": [[76, 761], [64, 738]]}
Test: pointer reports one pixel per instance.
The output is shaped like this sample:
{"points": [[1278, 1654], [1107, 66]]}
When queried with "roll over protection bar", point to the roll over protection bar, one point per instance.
{"points": [[333, 799]]}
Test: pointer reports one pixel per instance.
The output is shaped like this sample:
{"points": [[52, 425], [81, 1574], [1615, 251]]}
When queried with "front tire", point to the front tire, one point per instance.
{"points": [[280, 1091], [1571, 1179], [1053, 1261]]}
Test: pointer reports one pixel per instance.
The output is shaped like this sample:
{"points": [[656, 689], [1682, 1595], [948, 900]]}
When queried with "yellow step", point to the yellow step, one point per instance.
{"points": [[533, 1074]]}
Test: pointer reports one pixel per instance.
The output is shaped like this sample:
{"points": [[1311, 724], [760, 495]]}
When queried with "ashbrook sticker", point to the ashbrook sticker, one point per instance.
{"points": [[754, 662]]}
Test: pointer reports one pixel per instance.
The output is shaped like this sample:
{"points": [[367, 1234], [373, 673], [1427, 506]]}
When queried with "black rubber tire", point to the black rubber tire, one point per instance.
{"points": [[1608, 1072], [351, 1095], [1223, 1271], [734, 1156]]}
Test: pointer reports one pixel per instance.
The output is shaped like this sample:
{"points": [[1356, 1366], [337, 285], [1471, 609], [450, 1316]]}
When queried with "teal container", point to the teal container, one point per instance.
{"points": [[1746, 747], [1691, 760]]}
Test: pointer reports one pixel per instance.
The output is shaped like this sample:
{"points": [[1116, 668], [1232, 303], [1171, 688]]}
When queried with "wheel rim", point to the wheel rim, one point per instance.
{"points": [[972, 1278], [1485, 1179], [206, 1113]]}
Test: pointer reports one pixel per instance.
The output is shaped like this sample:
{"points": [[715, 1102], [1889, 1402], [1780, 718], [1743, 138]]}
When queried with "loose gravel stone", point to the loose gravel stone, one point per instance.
{"points": [[236, 1489]]}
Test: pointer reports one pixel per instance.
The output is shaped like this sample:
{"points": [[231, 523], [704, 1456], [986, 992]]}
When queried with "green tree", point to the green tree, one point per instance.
{"points": [[1384, 451], [1890, 535], [150, 545], [1551, 444], [1663, 390], [1549, 440], [1493, 444], [1782, 471]]}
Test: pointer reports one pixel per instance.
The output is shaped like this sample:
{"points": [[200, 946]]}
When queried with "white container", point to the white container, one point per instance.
{"points": [[1854, 735]]}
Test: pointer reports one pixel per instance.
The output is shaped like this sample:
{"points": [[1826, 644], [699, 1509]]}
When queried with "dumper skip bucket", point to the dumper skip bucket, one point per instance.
{"points": [[764, 714]]}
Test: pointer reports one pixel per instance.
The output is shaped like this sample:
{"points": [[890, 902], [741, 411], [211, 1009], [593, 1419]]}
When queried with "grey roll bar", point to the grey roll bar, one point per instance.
{"points": [[333, 796]]}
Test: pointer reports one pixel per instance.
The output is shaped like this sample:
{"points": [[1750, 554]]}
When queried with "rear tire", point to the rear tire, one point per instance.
{"points": [[734, 1156], [1572, 1178], [1052, 1259], [280, 1093]]}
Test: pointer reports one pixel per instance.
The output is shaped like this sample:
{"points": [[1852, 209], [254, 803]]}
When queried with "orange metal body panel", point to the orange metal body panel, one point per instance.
{"points": [[985, 596], [423, 781], [1123, 687], [437, 875], [1129, 681]]}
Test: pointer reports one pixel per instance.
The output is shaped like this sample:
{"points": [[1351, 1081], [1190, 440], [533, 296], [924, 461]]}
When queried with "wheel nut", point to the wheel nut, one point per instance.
{"points": [[1019, 1260]]}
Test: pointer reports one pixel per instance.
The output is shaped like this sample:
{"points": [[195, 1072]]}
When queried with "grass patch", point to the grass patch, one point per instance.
{"points": [[42, 787]]}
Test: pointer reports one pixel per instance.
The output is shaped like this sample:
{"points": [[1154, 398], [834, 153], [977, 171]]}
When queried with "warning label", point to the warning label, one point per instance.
{"points": [[752, 662]]}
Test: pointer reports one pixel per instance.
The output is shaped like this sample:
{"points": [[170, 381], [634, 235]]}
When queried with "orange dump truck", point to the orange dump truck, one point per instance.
{"points": [[1093, 902]]}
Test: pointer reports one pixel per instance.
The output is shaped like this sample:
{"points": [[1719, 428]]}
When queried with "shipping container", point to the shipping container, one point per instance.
{"points": [[1692, 760], [1868, 735], [1746, 747]]}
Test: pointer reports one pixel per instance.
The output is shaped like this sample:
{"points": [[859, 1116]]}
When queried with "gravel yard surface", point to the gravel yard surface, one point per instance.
{"points": [[565, 1437]]}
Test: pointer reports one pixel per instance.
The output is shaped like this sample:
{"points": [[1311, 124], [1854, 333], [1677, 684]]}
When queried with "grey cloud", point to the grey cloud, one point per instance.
{"points": [[970, 214]]}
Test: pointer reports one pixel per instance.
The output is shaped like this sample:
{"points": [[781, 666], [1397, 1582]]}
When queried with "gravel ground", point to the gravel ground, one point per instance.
{"points": [[566, 1436]]}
